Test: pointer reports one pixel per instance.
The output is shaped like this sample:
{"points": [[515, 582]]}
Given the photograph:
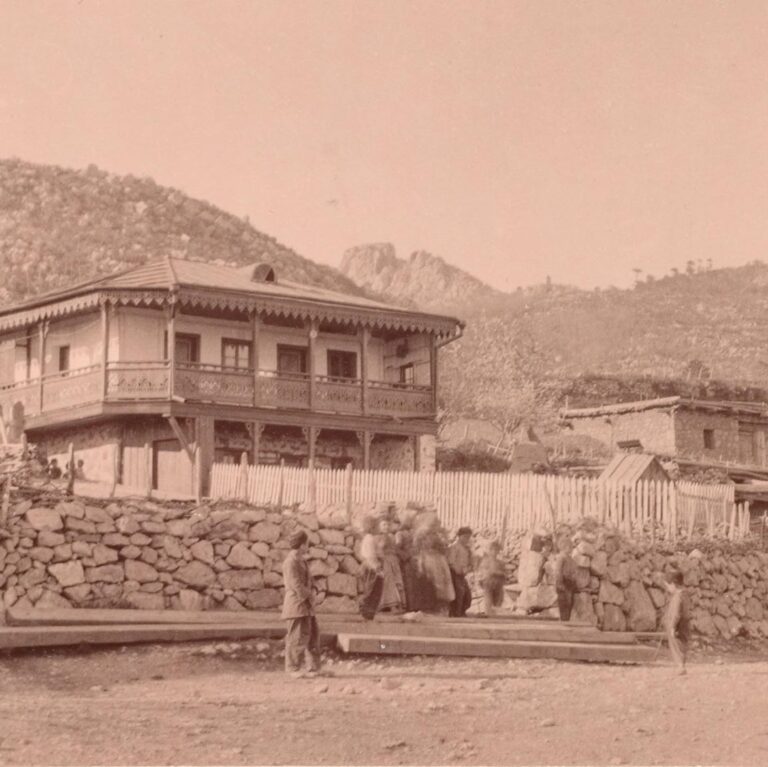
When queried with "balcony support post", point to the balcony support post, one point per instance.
{"points": [[171, 351], [204, 439], [364, 335], [416, 444], [255, 331], [365, 437], [255, 428], [310, 434], [104, 348], [433, 371], [42, 334], [312, 337]]}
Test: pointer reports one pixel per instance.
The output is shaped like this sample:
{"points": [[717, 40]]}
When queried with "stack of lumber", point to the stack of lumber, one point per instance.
{"points": [[387, 635]]}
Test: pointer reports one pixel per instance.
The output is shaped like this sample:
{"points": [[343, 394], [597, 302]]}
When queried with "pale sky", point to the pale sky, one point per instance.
{"points": [[515, 139]]}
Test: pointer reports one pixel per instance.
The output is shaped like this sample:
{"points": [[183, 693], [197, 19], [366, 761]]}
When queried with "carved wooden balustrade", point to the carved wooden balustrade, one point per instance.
{"points": [[138, 380], [73, 387], [195, 382], [400, 399], [212, 383], [283, 390], [339, 395]]}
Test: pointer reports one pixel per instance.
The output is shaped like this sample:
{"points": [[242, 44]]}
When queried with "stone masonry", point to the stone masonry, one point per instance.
{"points": [[82, 553]]}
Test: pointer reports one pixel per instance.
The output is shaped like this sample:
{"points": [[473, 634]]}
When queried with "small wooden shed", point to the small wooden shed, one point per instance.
{"points": [[631, 468]]}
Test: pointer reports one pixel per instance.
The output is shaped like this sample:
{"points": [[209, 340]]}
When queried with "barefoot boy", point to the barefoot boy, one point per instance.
{"points": [[676, 618], [492, 576]]}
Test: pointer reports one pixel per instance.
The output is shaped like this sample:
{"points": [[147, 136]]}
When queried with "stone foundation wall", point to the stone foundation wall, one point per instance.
{"points": [[140, 554], [620, 584]]}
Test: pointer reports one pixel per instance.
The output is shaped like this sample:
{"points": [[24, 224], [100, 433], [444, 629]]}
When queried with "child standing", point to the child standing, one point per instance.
{"points": [[302, 636], [565, 578], [492, 576], [371, 572], [676, 619]]}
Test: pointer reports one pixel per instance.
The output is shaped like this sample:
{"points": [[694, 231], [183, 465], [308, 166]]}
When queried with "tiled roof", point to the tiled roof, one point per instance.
{"points": [[168, 272]]}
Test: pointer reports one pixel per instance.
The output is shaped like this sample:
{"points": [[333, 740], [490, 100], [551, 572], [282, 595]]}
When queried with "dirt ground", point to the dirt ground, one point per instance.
{"points": [[231, 704]]}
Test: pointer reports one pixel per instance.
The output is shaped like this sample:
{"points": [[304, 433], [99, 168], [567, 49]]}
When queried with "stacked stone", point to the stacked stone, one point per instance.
{"points": [[620, 584], [58, 553]]}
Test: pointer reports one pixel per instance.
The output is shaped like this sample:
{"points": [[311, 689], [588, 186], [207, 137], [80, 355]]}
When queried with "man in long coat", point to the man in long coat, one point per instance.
{"points": [[302, 636]]}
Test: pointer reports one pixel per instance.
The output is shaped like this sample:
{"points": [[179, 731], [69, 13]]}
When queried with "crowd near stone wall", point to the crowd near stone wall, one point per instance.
{"points": [[620, 582], [84, 553], [137, 553]]}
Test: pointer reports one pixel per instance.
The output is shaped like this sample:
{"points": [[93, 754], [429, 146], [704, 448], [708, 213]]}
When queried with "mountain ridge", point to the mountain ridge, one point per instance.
{"points": [[60, 226]]}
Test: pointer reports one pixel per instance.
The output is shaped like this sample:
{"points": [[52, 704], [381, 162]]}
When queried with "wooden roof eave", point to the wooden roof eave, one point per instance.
{"points": [[415, 322], [385, 319]]}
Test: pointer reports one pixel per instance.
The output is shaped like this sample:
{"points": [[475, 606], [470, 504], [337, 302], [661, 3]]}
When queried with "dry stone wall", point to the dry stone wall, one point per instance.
{"points": [[83, 553], [620, 583]]}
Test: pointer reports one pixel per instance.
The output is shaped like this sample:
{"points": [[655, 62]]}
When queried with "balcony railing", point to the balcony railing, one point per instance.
{"points": [[196, 382]]}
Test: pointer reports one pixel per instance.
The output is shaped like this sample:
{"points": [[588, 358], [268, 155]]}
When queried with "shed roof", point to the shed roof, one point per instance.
{"points": [[628, 468], [667, 403]]}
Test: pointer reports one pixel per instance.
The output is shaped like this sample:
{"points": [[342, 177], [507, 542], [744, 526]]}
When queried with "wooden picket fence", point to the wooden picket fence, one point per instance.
{"points": [[487, 501]]}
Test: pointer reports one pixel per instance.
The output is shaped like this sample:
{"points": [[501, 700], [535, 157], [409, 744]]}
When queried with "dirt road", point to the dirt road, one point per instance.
{"points": [[231, 704]]}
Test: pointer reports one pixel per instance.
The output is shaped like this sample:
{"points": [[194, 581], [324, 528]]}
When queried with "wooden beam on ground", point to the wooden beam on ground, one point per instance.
{"points": [[330, 623], [397, 645], [52, 636]]}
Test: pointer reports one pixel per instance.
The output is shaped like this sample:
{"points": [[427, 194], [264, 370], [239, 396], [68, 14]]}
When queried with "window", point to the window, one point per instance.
{"points": [[342, 364], [406, 373], [235, 354], [291, 359], [63, 359], [709, 439], [187, 347]]}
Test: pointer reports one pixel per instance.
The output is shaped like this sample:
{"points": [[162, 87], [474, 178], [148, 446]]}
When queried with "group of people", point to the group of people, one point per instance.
{"points": [[415, 569], [405, 570]]}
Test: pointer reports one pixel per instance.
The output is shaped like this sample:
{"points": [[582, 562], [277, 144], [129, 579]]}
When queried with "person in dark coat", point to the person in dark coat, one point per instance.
{"points": [[565, 578], [461, 562], [302, 635]]}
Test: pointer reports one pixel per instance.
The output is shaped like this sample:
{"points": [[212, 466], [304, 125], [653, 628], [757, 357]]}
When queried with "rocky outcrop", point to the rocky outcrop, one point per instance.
{"points": [[423, 280]]}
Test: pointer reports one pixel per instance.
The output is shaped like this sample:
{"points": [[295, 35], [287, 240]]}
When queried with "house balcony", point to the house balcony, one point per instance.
{"points": [[213, 384]]}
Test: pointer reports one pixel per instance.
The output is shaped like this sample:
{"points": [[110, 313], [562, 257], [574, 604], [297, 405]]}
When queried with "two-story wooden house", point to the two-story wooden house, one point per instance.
{"points": [[158, 371]]}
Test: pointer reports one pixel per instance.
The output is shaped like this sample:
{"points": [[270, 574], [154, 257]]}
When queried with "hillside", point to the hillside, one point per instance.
{"points": [[59, 226], [693, 327], [525, 354]]}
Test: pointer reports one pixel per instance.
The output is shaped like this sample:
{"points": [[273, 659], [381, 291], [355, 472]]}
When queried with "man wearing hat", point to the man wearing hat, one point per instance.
{"points": [[302, 636], [461, 563]]}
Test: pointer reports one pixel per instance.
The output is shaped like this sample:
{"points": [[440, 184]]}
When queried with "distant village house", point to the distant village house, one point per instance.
{"points": [[700, 431]]}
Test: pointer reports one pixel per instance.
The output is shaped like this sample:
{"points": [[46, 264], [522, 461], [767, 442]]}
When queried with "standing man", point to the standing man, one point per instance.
{"points": [[460, 561], [565, 578], [302, 636]]}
